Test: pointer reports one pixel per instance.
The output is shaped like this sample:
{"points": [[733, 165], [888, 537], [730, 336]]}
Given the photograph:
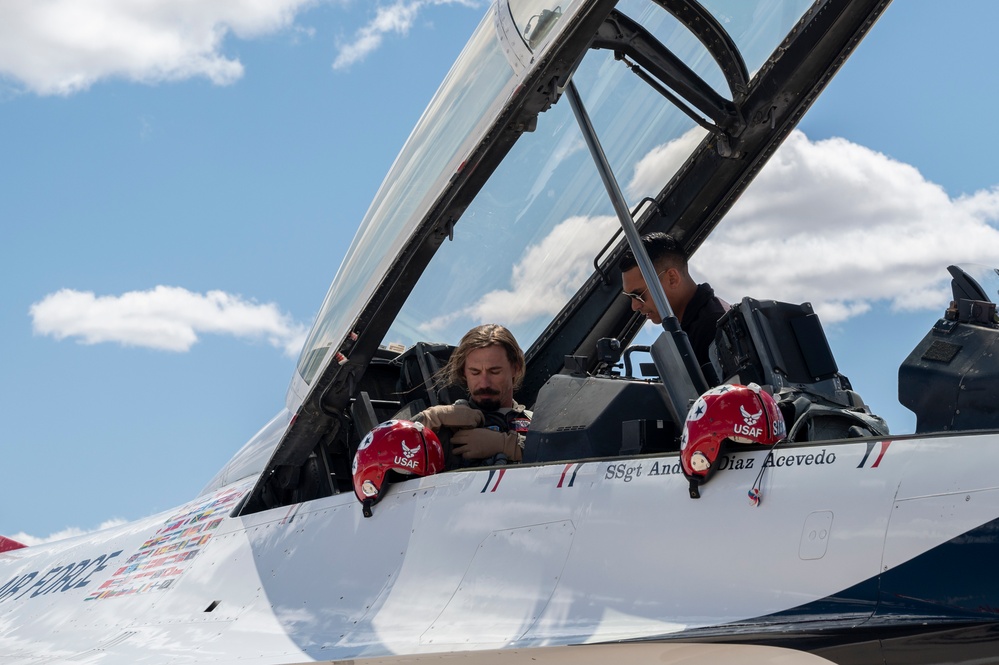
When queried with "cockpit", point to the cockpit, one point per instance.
{"points": [[617, 406], [563, 131]]}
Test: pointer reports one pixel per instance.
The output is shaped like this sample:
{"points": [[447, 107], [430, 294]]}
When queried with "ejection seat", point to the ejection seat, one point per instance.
{"points": [[409, 383], [783, 346], [419, 373]]}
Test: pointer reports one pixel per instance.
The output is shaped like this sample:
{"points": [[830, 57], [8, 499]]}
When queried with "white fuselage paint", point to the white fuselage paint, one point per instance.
{"points": [[508, 557]]}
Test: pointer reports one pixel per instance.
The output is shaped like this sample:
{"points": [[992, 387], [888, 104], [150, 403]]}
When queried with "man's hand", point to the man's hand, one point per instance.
{"points": [[455, 416], [480, 443]]}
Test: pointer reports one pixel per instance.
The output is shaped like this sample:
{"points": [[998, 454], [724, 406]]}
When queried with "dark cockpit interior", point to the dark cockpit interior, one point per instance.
{"points": [[583, 415]]}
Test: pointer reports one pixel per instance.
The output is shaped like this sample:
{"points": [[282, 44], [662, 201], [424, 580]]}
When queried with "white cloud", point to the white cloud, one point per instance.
{"points": [[661, 163], [828, 222], [60, 47], [70, 532], [537, 288], [397, 18], [64, 46], [166, 318], [843, 227]]}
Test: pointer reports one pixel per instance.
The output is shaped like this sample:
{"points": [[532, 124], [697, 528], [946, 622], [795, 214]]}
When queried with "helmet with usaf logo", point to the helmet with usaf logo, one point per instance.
{"points": [[744, 414], [400, 446]]}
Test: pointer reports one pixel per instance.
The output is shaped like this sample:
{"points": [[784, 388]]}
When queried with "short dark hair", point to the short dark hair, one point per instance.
{"points": [[480, 337], [662, 248]]}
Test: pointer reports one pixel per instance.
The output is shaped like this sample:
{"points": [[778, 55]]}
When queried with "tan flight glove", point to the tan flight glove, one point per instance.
{"points": [[455, 416], [480, 443]]}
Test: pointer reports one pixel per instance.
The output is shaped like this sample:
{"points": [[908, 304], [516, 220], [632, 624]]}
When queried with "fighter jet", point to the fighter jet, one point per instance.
{"points": [[651, 518]]}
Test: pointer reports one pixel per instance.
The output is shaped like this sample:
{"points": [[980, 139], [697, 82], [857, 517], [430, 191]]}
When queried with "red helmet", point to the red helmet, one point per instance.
{"points": [[402, 446], [744, 414]]}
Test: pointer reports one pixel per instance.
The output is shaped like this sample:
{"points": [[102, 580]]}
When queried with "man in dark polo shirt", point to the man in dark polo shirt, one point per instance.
{"points": [[695, 305]]}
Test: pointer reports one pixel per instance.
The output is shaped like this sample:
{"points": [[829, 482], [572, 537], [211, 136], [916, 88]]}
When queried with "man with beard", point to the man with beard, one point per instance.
{"points": [[490, 426]]}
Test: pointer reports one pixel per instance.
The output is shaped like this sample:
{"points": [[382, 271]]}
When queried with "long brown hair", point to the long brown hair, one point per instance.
{"points": [[480, 337]]}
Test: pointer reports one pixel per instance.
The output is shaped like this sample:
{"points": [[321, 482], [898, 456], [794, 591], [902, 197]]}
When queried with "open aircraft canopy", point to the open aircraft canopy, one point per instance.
{"points": [[494, 210]]}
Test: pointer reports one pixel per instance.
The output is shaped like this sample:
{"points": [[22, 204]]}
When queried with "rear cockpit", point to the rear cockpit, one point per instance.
{"points": [[777, 345]]}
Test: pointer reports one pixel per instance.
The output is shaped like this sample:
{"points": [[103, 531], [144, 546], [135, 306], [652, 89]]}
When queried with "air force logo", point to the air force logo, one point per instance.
{"points": [[750, 418], [407, 459], [749, 429], [410, 453]]}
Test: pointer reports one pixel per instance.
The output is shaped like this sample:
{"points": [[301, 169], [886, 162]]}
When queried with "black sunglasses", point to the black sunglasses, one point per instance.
{"points": [[640, 295]]}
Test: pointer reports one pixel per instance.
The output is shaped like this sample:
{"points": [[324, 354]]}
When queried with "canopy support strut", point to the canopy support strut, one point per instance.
{"points": [[675, 361]]}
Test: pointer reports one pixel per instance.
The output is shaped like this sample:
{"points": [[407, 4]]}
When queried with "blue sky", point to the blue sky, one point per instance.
{"points": [[218, 172]]}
